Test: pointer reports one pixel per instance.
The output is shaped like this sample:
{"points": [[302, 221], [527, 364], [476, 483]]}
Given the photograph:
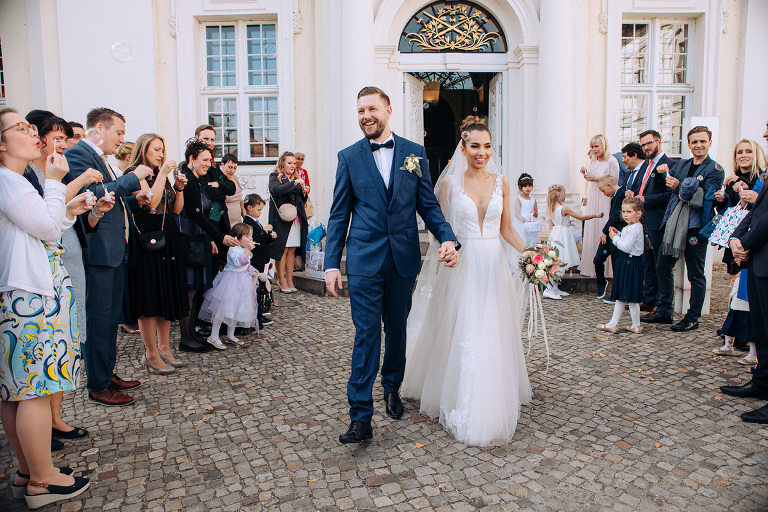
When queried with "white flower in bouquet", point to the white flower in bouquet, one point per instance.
{"points": [[548, 262], [542, 266], [541, 273], [552, 254]]}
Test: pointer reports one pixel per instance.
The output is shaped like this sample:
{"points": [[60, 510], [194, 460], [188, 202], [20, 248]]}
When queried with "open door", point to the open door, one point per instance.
{"points": [[495, 125], [413, 101]]}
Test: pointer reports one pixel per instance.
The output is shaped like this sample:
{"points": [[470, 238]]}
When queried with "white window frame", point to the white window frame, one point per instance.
{"points": [[242, 91], [2, 78], [654, 89]]}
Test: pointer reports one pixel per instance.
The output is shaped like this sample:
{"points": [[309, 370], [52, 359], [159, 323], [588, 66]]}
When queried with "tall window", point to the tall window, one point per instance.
{"points": [[656, 82], [240, 89], [2, 78]]}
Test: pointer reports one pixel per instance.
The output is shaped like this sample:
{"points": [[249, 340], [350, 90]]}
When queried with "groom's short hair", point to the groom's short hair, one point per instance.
{"points": [[367, 91]]}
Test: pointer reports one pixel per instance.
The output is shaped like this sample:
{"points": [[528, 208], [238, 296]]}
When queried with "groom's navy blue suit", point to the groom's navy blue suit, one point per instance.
{"points": [[383, 258]]}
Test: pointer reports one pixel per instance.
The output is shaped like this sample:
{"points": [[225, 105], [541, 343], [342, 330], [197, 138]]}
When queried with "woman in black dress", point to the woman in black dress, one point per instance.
{"points": [[286, 187], [196, 225], [156, 280]]}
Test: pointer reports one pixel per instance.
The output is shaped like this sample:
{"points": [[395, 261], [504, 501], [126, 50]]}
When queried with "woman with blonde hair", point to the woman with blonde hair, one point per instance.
{"points": [[749, 163], [601, 162], [156, 276], [288, 194]]}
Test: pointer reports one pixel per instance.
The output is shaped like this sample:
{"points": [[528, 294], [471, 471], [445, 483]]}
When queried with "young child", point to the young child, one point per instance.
{"points": [[526, 220], [737, 324], [560, 234], [628, 277], [232, 300], [263, 236]]}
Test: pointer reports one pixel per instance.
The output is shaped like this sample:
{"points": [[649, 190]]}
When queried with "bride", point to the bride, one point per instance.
{"points": [[464, 351]]}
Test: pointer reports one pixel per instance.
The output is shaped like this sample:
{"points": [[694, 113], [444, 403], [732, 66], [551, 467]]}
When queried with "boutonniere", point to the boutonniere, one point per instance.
{"points": [[411, 165], [700, 177], [653, 175]]}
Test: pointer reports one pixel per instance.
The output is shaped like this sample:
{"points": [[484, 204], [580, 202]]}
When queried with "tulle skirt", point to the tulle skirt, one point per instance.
{"points": [[232, 300], [562, 238], [464, 352]]}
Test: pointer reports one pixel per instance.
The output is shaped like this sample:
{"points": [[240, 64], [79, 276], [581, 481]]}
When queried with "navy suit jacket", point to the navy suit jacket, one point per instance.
{"points": [[753, 234], [106, 245], [376, 224], [614, 216], [656, 193]]}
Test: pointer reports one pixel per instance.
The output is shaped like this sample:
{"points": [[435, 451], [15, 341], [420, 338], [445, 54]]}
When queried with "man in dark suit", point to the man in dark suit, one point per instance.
{"points": [[106, 253], [633, 158], [749, 243], [610, 188], [651, 188], [623, 171], [383, 256], [710, 176]]}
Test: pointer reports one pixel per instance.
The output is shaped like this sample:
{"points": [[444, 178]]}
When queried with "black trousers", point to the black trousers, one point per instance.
{"points": [[603, 251], [757, 291], [650, 280]]}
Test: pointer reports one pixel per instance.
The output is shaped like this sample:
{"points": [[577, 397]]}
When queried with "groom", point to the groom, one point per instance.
{"points": [[383, 256]]}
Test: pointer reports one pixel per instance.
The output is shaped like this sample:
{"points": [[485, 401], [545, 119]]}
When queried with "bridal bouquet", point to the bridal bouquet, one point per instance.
{"points": [[540, 265]]}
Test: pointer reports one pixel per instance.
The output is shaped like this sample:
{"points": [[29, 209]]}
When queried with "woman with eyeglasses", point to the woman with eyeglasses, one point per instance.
{"points": [[38, 316]]}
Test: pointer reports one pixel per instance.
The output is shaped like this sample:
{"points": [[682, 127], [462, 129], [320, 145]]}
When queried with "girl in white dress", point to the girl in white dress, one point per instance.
{"points": [[560, 234], [464, 352], [526, 220]]}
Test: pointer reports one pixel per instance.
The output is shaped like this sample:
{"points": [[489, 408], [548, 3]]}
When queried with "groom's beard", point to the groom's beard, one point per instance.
{"points": [[378, 129]]}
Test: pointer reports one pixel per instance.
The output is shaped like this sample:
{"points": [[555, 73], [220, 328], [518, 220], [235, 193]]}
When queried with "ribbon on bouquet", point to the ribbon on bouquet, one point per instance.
{"points": [[536, 310]]}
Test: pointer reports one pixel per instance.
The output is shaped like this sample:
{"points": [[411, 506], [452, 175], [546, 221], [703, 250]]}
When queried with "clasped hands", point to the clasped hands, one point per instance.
{"points": [[740, 254]]}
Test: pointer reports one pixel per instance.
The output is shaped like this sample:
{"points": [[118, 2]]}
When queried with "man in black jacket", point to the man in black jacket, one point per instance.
{"points": [[749, 243], [609, 186], [651, 188]]}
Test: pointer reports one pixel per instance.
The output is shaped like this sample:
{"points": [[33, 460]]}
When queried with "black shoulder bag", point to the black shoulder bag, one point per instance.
{"points": [[153, 241]]}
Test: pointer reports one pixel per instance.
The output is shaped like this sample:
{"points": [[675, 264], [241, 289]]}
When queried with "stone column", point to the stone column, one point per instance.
{"points": [[357, 65]]}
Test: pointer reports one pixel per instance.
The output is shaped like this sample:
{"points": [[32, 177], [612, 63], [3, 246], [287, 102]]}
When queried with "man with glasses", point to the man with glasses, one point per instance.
{"points": [[651, 188]]}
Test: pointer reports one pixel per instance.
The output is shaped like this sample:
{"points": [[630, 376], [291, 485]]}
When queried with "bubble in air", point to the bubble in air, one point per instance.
{"points": [[121, 52], [426, 105], [94, 135], [426, 291]]}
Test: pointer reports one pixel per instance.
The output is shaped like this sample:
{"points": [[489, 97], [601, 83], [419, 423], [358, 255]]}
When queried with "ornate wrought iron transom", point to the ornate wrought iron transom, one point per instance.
{"points": [[446, 27]]}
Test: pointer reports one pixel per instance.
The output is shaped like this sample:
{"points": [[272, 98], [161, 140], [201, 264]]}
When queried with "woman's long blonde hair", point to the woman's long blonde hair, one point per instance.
{"points": [[758, 162], [280, 166], [603, 142], [552, 193], [140, 147]]}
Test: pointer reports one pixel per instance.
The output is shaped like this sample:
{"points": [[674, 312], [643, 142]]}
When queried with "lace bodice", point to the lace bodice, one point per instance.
{"points": [[470, 214], [558, 219]]}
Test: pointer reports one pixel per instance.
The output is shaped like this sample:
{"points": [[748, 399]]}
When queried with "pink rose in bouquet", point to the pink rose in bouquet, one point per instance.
{"points": [[529, 269], [538, 258], [555, 269]]}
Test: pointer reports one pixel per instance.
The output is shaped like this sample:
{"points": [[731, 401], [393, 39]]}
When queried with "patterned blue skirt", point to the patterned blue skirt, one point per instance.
{"points": [[39, 338]]}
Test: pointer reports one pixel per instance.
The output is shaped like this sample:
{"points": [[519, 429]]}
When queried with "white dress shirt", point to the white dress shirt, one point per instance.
{"points": [[383, 158]]}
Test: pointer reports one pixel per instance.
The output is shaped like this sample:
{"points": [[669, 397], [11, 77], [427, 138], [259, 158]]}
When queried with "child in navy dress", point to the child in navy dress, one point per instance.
{"points": [[628, 278], [232, 300]]}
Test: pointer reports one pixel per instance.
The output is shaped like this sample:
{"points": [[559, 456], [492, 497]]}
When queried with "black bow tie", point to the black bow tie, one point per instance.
{"points": [[375, 146]]}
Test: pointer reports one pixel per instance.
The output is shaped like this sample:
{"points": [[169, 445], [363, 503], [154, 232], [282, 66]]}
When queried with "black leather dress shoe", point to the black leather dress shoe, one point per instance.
{"points": [[757, 416], [394, 405], [748, 390], [203, 331], [656, 319], [358, 431], [685, 325], [195, 347]]}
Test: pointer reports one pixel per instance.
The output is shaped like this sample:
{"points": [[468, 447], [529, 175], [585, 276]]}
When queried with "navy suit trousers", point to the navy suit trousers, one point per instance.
{"points": [[385, 296], [695, 256], [103, 301], [757, 291], [650, 256]]}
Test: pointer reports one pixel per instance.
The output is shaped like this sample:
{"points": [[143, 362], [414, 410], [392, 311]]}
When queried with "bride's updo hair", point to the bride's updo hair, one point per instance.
{"points": [[472, 124]]}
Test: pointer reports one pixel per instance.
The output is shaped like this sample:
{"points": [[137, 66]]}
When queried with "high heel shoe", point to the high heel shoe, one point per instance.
{"points": [[19, 490], [174, 364], [55, 492], [160, 371], [285, 290]]}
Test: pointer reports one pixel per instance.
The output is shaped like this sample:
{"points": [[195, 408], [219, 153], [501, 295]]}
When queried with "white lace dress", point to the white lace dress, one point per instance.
{"points": [[464, 355], [561, 236]]}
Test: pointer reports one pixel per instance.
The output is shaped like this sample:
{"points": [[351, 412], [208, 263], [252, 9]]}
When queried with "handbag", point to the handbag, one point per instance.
{"points": [[727, 225], [287, 212], [152, 241], [309, 208]]}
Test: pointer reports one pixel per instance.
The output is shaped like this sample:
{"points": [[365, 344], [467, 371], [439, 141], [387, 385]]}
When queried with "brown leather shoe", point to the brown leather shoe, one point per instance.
{"points": [[646, 307], [650, 313], [110, 396], [122, 385]]}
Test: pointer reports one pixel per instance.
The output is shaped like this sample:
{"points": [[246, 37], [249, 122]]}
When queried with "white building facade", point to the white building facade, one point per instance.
{"points": [[282, 75]]}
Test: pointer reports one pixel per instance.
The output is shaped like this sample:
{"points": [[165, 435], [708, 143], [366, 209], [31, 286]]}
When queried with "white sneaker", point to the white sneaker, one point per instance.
{"points": [[216, 342], [562, 293], [609, 301], [551, 295]]}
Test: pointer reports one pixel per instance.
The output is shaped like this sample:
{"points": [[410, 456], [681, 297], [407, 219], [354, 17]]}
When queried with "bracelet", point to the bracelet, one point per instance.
{"points": [[96, 216], [178, 189]]}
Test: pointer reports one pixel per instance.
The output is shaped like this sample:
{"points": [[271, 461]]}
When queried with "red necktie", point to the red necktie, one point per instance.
{"points": [[645, 180]]}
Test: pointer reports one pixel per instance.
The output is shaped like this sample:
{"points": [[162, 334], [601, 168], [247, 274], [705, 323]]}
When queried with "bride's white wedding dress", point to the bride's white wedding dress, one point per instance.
{"points": [[464, 355]]}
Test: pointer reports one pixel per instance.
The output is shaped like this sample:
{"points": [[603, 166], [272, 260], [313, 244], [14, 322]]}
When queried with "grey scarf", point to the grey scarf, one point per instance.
{"points": [[673, 243]]}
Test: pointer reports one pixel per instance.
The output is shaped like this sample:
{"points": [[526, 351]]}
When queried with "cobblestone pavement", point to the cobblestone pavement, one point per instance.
{"points": [[619, 422]]}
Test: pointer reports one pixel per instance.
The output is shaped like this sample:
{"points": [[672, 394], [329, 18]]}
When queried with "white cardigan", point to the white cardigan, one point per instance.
{"points": [[25, 220]]}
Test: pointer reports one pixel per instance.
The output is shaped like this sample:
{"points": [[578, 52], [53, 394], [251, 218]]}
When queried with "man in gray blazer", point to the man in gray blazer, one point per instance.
{"points": [[105, 256]]}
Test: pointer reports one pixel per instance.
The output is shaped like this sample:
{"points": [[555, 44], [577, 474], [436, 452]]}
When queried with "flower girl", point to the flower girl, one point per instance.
{"points": [[526, 220], [232, 300], [560, 234], [628, 279]]}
